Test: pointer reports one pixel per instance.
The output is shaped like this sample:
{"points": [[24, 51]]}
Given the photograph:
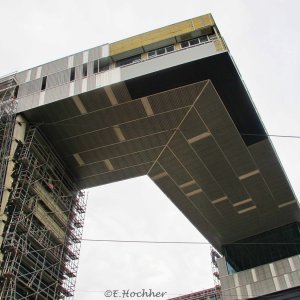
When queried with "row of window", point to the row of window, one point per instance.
{"points": [[101, 65]]}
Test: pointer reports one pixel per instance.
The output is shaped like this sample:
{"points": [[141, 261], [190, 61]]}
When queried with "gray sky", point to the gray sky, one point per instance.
{"points": [[263, 36]]}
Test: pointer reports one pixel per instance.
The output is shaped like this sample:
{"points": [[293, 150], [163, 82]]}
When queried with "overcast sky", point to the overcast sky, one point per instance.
{"points": [[263, 36]]}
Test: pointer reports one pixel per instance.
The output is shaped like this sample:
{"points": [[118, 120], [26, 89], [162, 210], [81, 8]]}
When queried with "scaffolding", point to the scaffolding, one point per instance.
{"points": [[43, 233], [214, 256], [8, 107]]}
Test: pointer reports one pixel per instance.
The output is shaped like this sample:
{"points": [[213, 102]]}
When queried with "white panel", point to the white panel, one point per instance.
{"points": [[272, 268], [109, 77], [236, 279], [249, 290], [84, 85], [70, 61], [42, 98], [85, 56], [253, 271], [276, 283], [71, 88], [287, 280], [105, 50], [292, 264], [238, 293], [38, 72], [28, 74]]}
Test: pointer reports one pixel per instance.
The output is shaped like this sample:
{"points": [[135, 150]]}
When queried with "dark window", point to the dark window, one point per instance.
{"points": [[128, 61], [44, 82], [194, 42], [161, 51], [103, 65], [151, 54], [96, 69], [203, 39], [72, 74], [84, 70], [16, 91], [170, 48], [185, 44]]}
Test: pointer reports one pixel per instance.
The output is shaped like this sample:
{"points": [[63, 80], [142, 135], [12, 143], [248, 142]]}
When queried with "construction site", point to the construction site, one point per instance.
{"points": [[42, 211], [169, 104]]}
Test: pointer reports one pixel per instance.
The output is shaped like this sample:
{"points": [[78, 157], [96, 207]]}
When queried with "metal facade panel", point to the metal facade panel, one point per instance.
{"points": [[20, 77], [56, 93], [272, 171], [213, 113], [31, 87], [59, 78], [98, 52], [109, 77], [123, 140], [54, 66]]}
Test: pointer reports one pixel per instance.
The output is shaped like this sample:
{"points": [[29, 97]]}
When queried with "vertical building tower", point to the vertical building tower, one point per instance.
{"points": [[42, 210], [170, 104]]}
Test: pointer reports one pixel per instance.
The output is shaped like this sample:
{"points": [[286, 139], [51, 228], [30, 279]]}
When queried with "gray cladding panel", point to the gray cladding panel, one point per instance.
{"points": [[214, 160], [174, 168], [125, 148], [195, 167], [260, 193], [272, 171], [203, 169], [91, 140], [31, 87], [175, 98], [192, 126], [54, 66], [214, 114], [115, 176], [59, 78], [95, 100], [56, 92], [168, 121], [167, 185]]}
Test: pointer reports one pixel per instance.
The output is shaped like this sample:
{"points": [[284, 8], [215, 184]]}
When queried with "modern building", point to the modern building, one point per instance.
{"points": [[170, 104]]}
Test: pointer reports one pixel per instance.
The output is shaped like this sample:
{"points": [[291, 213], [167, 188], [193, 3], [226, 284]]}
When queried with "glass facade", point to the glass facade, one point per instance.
{"points": [[263, 248]]}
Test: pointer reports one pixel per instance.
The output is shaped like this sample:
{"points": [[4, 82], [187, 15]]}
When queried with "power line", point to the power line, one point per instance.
{"points": [[181, 242], [145, 241]]}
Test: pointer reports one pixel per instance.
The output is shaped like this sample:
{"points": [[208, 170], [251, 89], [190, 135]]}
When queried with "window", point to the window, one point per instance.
{"points": [[103, 65], [203, 39], [72, 74], [96, 68], [16, 91], [84, 70], [100, 65], [194, 42], [212, 37], [44, 82], [161, 51], [128, 60], [185, 44]]}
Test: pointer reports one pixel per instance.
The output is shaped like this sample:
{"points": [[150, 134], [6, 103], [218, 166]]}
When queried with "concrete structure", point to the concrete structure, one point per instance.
{"points": [[169, 104]]}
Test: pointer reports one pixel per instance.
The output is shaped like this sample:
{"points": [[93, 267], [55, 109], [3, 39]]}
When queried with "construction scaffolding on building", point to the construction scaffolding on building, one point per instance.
{"points": [[214, 256], [44, 217], [8, 106]]}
